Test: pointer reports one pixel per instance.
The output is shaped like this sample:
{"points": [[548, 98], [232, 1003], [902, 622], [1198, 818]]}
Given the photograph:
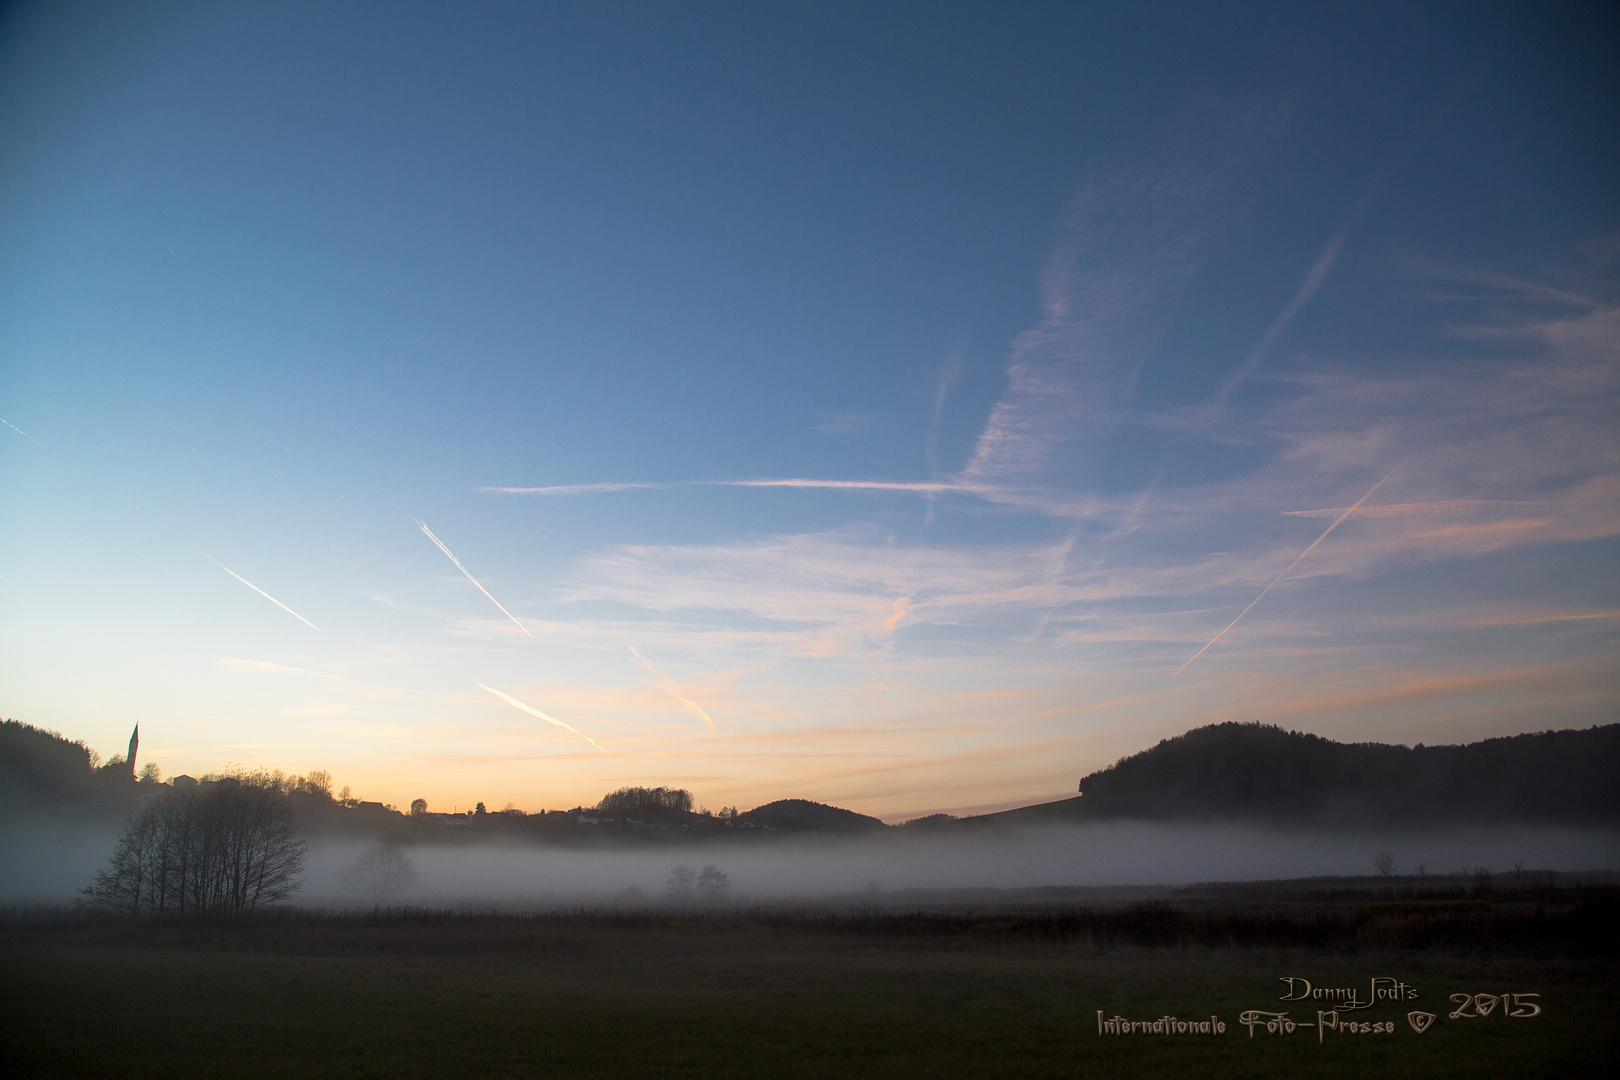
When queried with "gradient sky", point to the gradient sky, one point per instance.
{"points": [[1062, 331]]}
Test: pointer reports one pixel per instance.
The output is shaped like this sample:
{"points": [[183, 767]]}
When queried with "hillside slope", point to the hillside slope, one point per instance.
{"points": [[1263, 773]]}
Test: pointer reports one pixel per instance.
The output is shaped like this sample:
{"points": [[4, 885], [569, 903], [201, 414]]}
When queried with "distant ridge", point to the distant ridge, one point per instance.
{"points": [[1262, 773], [1225, 772]]}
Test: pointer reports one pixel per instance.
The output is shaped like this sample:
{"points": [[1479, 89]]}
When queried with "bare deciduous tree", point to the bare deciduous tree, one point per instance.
{"points": [[714, 883], [379, 873], [226, 847], [1384, 862], [680, 882]]}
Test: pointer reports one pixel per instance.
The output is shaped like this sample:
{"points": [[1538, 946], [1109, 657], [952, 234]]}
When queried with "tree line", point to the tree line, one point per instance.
{"points": [[630, 801]]}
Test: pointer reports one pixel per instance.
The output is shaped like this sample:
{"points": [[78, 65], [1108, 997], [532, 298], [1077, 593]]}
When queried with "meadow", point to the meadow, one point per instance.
{"points": [[809, 992]]}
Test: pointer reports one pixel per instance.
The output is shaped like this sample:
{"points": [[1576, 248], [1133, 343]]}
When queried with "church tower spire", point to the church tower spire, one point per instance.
{"points": [[134, 741]]}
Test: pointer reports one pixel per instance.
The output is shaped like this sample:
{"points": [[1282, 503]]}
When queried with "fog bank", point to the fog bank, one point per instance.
{"points": [[50, 862], [1123, 853]]}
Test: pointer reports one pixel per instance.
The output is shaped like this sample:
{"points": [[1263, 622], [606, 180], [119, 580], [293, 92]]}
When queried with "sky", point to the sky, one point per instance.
{"points": [[874, 404]]}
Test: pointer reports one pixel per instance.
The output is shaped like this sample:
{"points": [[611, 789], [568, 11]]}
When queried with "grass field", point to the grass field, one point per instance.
{"points": [[742, 996]]}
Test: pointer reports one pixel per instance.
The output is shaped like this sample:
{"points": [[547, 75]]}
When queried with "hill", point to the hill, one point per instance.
{"points": [[1232, 772], [1262, 773], [801, 815], [44, 770]]}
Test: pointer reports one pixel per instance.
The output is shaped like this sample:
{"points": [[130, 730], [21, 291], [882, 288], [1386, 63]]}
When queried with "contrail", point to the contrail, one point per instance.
{"points": [[583, 489], [921, 488], [947, 378], [1438, 506], [516, 704], [931, 488], [667, 685], [25, 435], [470, 578], [1293, 564], [1307, 288], [260, 591]]}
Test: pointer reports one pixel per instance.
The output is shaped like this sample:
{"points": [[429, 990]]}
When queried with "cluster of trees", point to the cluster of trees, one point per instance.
{"points": [[713, 882], [633, 801], [223, 848]]}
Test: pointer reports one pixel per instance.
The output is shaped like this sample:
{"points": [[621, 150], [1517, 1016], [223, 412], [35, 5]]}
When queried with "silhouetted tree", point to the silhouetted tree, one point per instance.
{"points": [[1384, 862], [379, 873], [226, 847], [714, 883], [318, 782], [418, 806], [680, 882]]}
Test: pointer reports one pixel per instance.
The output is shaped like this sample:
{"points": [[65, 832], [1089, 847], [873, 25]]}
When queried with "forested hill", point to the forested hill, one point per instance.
{"points": [[44, 769], [801, 815], [1255, 772]]}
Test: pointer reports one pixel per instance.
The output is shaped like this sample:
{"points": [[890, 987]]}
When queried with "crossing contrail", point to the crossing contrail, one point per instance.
{"points": [[516, 704], [1293, 564], [667, 685], [261, 592], [470, 578]]}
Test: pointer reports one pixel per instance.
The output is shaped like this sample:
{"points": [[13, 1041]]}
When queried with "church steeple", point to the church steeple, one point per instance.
{"points": [[134, 741]]}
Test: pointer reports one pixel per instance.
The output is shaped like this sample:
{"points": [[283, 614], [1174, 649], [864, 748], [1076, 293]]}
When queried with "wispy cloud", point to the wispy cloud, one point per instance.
{"points": [[236, 664], [1131, 241], [1076, 609], [261, 592], [451, 556], [1539, 618]]}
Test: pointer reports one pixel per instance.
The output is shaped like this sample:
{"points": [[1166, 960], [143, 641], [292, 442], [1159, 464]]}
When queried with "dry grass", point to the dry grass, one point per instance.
{"points": [[773, 994]]}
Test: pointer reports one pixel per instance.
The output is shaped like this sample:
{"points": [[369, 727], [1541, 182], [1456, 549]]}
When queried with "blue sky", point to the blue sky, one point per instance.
{"points": [[1073, 327]]}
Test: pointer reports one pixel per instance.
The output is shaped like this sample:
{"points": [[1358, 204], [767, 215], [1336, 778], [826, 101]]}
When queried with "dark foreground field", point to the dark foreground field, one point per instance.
{"points": [[782, 994]]}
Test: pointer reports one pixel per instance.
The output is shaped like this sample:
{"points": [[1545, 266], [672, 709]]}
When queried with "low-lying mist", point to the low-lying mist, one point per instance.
{"points": [[49, 863], [810, 868]]}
